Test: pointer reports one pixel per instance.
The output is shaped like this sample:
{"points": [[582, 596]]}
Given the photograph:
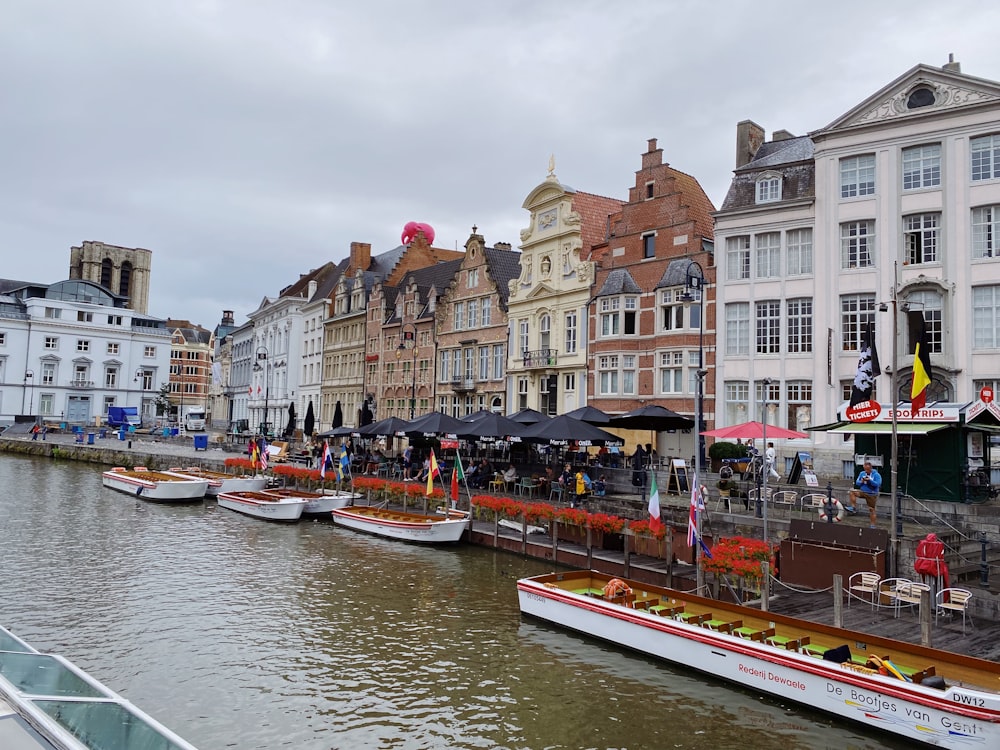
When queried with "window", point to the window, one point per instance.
{"points": [[610, 322], [929, 303], [469, 371], [799, 246], [649, 246], [985, 231], [472, 280], [486, 310], [767, 249], [473, 314], [738, 258], [769, 189], [46, 403], [671, 372], [799, 404], [922, 166], [857, 176], [51, 342], [522, 335], [767, 397], [856, 312], [569, 382], [738, 328], [81, 375], [48, 373], [737, 402], [149, 352], [672, 309], [768, 327], [84, 317], [459, 316], [800, 326], [628, 374], [113, 348], [522, 393], [111, 377], [498, 361], [114, 320], [571, 333], [631, 305], [985, 157], [545, 332], [920, 237], [649, 190], [53, 312], [608, 374], [146, 380], [857, 241], [3, 338], [484, 363]]}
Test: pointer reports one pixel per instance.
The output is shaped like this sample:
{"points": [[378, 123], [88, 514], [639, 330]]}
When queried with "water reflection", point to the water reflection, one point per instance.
{"points": [[239, 633]]}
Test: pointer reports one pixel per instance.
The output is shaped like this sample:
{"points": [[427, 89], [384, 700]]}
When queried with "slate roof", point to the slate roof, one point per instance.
{"points": [[619, 281], [675, 273], [503, 265], [792, 158], [777, 153], [328, 279], [191, 332]]}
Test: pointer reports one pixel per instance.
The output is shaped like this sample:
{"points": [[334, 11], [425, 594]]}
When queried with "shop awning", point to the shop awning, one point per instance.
{"points": [[882, 428], [990, 428]]}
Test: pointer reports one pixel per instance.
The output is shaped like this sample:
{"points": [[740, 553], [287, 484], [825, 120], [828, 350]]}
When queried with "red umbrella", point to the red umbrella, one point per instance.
{"points": [[754, 431]]}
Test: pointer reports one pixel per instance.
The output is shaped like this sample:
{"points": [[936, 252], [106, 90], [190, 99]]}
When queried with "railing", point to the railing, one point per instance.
{"points": [[540, 358], [81, 383], [463, 384]]}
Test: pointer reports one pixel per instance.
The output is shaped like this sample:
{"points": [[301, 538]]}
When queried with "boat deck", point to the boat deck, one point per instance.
{"points": [[392, 515]]}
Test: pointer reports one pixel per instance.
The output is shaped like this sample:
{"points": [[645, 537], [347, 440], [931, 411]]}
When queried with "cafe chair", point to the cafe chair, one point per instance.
{"points": [[953, 600], [864, 582]]}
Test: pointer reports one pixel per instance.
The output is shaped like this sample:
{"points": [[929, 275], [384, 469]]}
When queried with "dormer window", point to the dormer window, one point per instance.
{"points": [[769, 188]]}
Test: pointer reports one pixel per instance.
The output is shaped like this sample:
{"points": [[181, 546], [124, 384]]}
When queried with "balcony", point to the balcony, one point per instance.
{"points": [[81, 384], [463, 385], [540, 359]]}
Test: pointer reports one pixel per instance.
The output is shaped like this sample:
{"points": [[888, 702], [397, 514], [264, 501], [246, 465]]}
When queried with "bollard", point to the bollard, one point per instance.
{"points": [[829, 502], [759, 505], [130, 444], [838, 600], [984, 569]]}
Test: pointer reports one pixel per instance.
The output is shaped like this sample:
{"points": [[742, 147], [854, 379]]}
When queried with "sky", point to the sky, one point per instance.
{"points": [[246, 142]]}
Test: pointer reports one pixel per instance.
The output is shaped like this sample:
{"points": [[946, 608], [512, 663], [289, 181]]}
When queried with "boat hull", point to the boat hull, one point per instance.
{"points": [[176, 490], [954, 718], [407, 527], [321, 503], [284, 509], [220, 482]]}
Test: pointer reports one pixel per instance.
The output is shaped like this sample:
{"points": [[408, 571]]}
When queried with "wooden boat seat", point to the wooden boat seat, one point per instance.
{"points": [[692, 618], [723, 626], [589, 592], [667, 610], [790, 644], [646, 603], [752, 634]]}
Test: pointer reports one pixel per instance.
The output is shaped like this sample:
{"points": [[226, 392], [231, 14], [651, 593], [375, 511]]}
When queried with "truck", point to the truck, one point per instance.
{"points": [[194, 419], [124, 416]]}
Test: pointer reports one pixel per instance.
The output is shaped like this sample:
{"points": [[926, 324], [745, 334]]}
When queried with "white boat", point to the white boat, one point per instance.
{"points": [[319, 502], [158, 486], [263, 505], [408, 527], [936, 697], [47, 702], [221, 482]]}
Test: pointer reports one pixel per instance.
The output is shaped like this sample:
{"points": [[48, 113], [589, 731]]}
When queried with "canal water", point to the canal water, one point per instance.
{"points": [[237, 633]]}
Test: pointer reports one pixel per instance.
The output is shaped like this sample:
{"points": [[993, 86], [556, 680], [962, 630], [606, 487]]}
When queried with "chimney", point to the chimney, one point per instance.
{"points": [[749, 138], [951, 66], [653, 156], [781, 135], [312, 289], [501, 246], [227, 318], [361, 256]]}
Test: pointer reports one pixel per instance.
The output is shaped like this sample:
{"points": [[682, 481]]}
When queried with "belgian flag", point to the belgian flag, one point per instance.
{"points": [[921, 361]]}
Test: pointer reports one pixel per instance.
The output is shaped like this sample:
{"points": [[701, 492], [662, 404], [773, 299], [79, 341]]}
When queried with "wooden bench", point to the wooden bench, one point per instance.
{"points": [[667, 610], [723, 626], [752, 634], [790, 644], [692, 618]]}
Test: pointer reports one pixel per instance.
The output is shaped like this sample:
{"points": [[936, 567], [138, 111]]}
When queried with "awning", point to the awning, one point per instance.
{"points": [[883, 428], [990, 428]]}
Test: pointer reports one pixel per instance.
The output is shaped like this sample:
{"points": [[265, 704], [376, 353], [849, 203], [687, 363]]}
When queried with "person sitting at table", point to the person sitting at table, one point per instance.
{"points": [[510, 476], [373, 461]]}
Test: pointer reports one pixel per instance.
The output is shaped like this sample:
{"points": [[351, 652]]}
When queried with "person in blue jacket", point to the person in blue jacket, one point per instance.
{"points": [[868, 484]]}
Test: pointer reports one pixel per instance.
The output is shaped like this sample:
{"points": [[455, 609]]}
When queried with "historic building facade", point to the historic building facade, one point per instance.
{"points": [[125, 271]]}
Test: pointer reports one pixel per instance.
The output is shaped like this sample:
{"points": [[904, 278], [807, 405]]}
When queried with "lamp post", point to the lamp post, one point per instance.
{"points": [[28, 383], [765, 470], [695, 284], [140, 376], [408, 340], [894, 385], [262, 356]]}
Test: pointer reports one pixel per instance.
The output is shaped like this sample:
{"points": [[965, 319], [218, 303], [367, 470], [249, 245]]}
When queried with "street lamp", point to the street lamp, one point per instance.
{"points": [[765, 469], [408, 340], [694, 282], [894, 532], [140, 378], [28, 383], [262, 356]]}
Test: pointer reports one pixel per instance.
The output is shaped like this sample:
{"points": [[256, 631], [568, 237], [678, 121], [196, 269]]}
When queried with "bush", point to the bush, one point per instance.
{"points": [[727, 450]]}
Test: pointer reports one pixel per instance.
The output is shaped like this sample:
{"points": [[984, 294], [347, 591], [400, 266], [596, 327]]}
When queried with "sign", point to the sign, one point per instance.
{"points": [[864, 411], [986, 394], [938, 413]]}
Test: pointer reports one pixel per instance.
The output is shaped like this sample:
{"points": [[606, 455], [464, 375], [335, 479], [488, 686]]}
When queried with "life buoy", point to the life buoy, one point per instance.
{"points": [[838, 509], [616, 587]]}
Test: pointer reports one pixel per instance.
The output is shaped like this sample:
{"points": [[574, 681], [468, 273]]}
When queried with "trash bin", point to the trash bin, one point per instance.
{"points": [[121, 434], [90, 438], [103, 433], [166, 432], [174, 431], [201, 442]]}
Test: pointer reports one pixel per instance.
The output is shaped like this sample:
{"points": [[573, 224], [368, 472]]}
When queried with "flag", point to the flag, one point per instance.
{"points": [[249, 391], [325, 460], [456, 474], [258, 391], [262, 449], [434, 472], [693, 518], [921, 362], [868, 368], [655, 524], [345, 463]]}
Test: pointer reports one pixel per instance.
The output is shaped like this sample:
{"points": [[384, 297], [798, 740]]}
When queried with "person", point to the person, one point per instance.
{"points": [[34, 432], [425, 469], [600, 486], [581, 487], [727, 483], [639, 467], [566, 478], [770, 455], [408, 463], [45, 431], [510, 476], [869, 484], [602, 456], [545, 481]]}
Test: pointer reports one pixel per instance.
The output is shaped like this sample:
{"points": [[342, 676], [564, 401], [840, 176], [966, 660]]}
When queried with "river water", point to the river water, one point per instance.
{"points": [[238, 633]]}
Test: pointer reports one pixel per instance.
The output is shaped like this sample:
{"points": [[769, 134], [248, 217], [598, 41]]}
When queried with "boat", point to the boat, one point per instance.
{"points": [[936, 697], [221, 482], [158, 486], [318, 503], [407, 527], [48, 703], [263, 505]]}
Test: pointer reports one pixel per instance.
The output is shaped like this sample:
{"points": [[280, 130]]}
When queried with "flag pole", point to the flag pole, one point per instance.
{"points": [[894, 471]]}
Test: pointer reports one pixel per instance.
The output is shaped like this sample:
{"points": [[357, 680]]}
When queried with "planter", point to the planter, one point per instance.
{"points": [[613, 542], [575, 534], [648, 546]]}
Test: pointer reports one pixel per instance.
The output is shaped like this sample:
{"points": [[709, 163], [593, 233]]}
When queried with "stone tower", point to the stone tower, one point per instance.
{"points": [[122, 270]]}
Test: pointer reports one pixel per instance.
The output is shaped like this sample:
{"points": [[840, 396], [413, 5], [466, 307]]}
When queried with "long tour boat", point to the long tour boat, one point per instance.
{"points": [[318, 503], [936, 697], [158, 486], [264, 505], [221, 482], [407, 527]]}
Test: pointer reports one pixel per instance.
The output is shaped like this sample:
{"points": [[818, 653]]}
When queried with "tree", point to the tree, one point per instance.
{"points": [[162, 400]]}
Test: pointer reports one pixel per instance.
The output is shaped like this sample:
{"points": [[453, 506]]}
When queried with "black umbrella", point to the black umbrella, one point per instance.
{"points": [[387, 427], [564, 429], [651, 417], [310, 421], [290, 427], [489, 425], [528, 416], [338, 416], [366, 417], [340, 432], [590, 414], [435, 423], [473, 418]]}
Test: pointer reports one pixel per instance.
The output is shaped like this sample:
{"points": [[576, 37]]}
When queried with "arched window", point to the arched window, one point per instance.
{"points": [[125, 282], [106, 273], [768, 188]]}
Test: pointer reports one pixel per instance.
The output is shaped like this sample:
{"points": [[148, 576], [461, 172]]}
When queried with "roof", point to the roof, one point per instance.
{"points": [[192, 333], [792, 158], [619, 281], [594, 211], [675, 273], [503, 266], [779, 153]]}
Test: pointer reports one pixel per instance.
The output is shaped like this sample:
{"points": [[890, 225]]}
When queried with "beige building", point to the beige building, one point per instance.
{"points": [[121, 270]]}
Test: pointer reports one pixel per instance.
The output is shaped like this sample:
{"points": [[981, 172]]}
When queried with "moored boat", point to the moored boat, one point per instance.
{"points": [[221, 482], [936, 697], [263, 505], [319, 502], [47, 702], [408, 527], [158, 486]]}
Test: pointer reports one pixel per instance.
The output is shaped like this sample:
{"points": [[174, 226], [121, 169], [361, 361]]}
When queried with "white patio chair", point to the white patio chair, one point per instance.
{"points": [[863, 582], [953, 600]]}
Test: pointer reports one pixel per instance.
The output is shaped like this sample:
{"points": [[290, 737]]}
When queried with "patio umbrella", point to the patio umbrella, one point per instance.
{"points": [[386, 427], [290, 427], [340, 432], [473, 418], [338, 416], [754, 431], [435, 423], [366, 417], [651, 417], [489, 425], [563, 429], [528, 416], [310, 422], [590, 414]]}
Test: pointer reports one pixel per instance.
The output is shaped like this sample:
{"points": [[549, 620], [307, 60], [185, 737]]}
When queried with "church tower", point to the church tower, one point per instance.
{"points": [[122, 270]]}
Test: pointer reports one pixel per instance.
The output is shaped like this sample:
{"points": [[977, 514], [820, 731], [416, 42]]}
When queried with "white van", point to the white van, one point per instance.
{"points": [[194, 419]]}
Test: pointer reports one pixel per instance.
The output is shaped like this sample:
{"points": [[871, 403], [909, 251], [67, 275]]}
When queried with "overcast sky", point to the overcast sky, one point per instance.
{"points": [[247, 141]]}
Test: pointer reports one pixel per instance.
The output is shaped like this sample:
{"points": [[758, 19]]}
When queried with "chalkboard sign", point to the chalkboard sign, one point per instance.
{"points": [[678, 482], [803, 462]]}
